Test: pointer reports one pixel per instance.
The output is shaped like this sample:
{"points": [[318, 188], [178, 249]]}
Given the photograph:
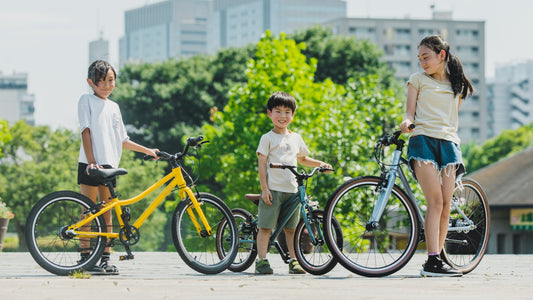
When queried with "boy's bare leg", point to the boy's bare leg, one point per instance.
{"points": [[263, 237], [289, 238]]}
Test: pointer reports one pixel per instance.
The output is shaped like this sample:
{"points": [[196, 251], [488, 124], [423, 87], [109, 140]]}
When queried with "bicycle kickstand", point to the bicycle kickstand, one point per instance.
{"points": [[129, 255]]}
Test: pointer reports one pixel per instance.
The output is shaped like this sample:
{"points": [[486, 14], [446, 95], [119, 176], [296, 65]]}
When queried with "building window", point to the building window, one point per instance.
{"points": [[501, 243], [517, 243]]}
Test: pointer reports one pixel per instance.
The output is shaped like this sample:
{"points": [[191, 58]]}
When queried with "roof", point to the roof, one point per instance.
{"points": [[508, 182]]}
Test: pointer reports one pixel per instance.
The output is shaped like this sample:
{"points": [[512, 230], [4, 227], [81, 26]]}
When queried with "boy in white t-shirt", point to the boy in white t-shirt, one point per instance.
{"points": [[280, 145], [103, 136]]}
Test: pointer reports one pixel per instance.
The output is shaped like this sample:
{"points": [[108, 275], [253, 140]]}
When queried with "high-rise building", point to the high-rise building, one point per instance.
{"points": [[166, 29], [399, 40], [511, 97], [236, 23], [99, 50], [15, 101]]}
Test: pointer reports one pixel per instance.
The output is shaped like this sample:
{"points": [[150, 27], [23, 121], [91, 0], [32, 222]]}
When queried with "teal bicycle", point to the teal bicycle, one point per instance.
{"points": [[309, 244]]}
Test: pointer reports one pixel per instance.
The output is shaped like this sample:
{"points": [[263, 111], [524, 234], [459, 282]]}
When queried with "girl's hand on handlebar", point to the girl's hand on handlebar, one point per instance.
{"points": [[407, 126]]}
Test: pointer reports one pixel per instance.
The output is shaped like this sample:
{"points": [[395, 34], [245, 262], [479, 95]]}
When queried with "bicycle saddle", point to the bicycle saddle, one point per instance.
{"points": [[107, 173]]}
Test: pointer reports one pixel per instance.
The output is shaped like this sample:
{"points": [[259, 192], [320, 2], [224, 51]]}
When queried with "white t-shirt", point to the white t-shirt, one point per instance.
{"points": [[437, 109], [108, 133], [284, 149]]}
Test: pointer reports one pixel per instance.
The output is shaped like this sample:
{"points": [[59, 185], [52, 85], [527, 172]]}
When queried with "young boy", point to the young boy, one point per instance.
{"points": [[280, 145]]}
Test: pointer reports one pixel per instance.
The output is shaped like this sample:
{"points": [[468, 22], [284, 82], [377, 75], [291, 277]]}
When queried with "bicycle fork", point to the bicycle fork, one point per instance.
{"points": [[384, 193]]}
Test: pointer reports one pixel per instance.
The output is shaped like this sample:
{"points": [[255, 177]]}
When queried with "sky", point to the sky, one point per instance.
{"points": [[49, 40]]}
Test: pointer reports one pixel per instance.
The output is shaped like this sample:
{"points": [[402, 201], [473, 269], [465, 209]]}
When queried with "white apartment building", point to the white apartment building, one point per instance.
{"points": [[236, 23], [165, 29], [511, 97], [399, 39], [15, 102]]}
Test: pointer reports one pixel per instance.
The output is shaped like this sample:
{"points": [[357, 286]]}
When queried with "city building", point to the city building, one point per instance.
{"points": [[166, 29], [99, 50], [399, 39], [15, 101], [236, 23], [510, 97]]}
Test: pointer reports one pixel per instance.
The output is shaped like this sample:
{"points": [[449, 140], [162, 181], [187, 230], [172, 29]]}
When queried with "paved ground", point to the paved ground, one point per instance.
{"points": [[158, 275]]}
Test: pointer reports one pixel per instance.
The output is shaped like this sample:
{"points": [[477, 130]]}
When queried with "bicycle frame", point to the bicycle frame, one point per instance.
{"points": [[395, 171], [176, 179]]}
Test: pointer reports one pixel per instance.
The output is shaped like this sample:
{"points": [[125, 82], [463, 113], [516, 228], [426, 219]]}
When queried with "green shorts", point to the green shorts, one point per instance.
{"points": [[270, 215]]}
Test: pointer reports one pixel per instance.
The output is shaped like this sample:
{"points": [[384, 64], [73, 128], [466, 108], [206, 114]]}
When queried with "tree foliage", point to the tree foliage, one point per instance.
{"points": [[505, 144], [4, 134], [339, 123]]}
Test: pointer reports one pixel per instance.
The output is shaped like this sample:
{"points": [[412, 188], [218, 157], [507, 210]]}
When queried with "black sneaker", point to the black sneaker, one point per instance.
{"points": [[434, 267]]}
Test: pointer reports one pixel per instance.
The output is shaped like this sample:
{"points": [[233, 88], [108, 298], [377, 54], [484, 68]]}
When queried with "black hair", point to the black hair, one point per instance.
{"points": [[460, 83], [281, 99], [98, 71]]}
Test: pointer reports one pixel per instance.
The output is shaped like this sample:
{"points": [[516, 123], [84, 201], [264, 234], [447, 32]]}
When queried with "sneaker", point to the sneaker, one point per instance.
{"points": [[105, 268], [263, 267], [436, 268], [295, 268]]}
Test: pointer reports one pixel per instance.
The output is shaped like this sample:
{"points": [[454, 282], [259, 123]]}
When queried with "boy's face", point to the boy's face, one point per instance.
{"points": [[104, 87], [281, 116]]}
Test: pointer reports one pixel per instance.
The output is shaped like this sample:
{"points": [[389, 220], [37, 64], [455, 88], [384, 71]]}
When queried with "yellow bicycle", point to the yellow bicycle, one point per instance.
{"points": [[64, 221]]}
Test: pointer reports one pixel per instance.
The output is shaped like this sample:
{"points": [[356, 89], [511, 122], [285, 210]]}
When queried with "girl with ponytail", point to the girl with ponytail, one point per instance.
{"points": [[433, 100]]}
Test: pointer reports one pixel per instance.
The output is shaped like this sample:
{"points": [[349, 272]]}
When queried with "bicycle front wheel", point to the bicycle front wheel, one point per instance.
{"points": [[196, 246], [464, 249], [247, 251], [315, 258], [51, 245], [377, 250]]}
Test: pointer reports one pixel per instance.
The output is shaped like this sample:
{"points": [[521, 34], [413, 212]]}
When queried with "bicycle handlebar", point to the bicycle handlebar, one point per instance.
{"points": [[303, 174], [195, 142]]}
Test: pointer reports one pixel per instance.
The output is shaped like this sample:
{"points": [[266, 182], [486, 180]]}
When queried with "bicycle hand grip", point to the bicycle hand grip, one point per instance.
{"points": [[163, 154], [275, 165], [149, 157], [193, 141]]}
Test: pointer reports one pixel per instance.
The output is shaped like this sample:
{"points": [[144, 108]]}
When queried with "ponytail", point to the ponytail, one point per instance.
{"points": [[460, 83]]}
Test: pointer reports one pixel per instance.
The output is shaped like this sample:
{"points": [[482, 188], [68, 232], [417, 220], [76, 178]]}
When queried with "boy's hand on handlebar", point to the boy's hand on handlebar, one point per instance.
{"points": [[328, 168], [152, 154]]}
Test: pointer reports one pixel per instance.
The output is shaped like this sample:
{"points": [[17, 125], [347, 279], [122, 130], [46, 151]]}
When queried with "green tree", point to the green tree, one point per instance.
{"points": [[341, 58], [4, 134], [508, 142], [339, 123], [37, 162]]}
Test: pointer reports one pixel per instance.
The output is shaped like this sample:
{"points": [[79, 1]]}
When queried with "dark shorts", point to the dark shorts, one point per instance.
{"points": [[441, 153], [84, 178], [270, 215]]}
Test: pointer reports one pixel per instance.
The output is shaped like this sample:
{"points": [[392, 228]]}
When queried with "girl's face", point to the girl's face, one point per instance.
{"points": [[281, 117], [104, 87], [430, 61]]}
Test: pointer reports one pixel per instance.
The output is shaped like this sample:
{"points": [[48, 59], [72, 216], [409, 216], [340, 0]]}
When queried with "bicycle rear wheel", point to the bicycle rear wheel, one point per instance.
{"points": [[367, 251], [52, 247], [316, 258], [464, 250], [199, 249], [247, 251]]}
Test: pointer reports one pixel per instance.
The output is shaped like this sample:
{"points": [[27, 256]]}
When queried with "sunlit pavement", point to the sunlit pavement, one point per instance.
{"points": [[162, 275]]}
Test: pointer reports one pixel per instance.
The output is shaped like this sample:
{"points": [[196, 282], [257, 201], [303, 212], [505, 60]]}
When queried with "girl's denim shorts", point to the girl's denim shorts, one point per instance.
{"points": [[441, 153]]}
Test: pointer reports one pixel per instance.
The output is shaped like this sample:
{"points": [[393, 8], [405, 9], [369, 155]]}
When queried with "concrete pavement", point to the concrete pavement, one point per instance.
{"points": [[162, 275]]}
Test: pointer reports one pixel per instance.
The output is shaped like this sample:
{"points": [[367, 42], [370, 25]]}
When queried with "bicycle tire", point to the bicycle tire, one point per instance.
{"points": [[247, 252], [377, 252], [199, 251], [50, 246], [315, 259], [464, 250]]}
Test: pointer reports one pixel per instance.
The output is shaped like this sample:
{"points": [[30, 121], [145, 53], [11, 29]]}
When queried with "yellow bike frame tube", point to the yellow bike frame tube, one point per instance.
{"points": [[199, 211]]}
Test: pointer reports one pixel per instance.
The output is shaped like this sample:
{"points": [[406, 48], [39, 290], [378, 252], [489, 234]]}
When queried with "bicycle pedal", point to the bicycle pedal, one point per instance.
{"points": [[126, 257]]}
